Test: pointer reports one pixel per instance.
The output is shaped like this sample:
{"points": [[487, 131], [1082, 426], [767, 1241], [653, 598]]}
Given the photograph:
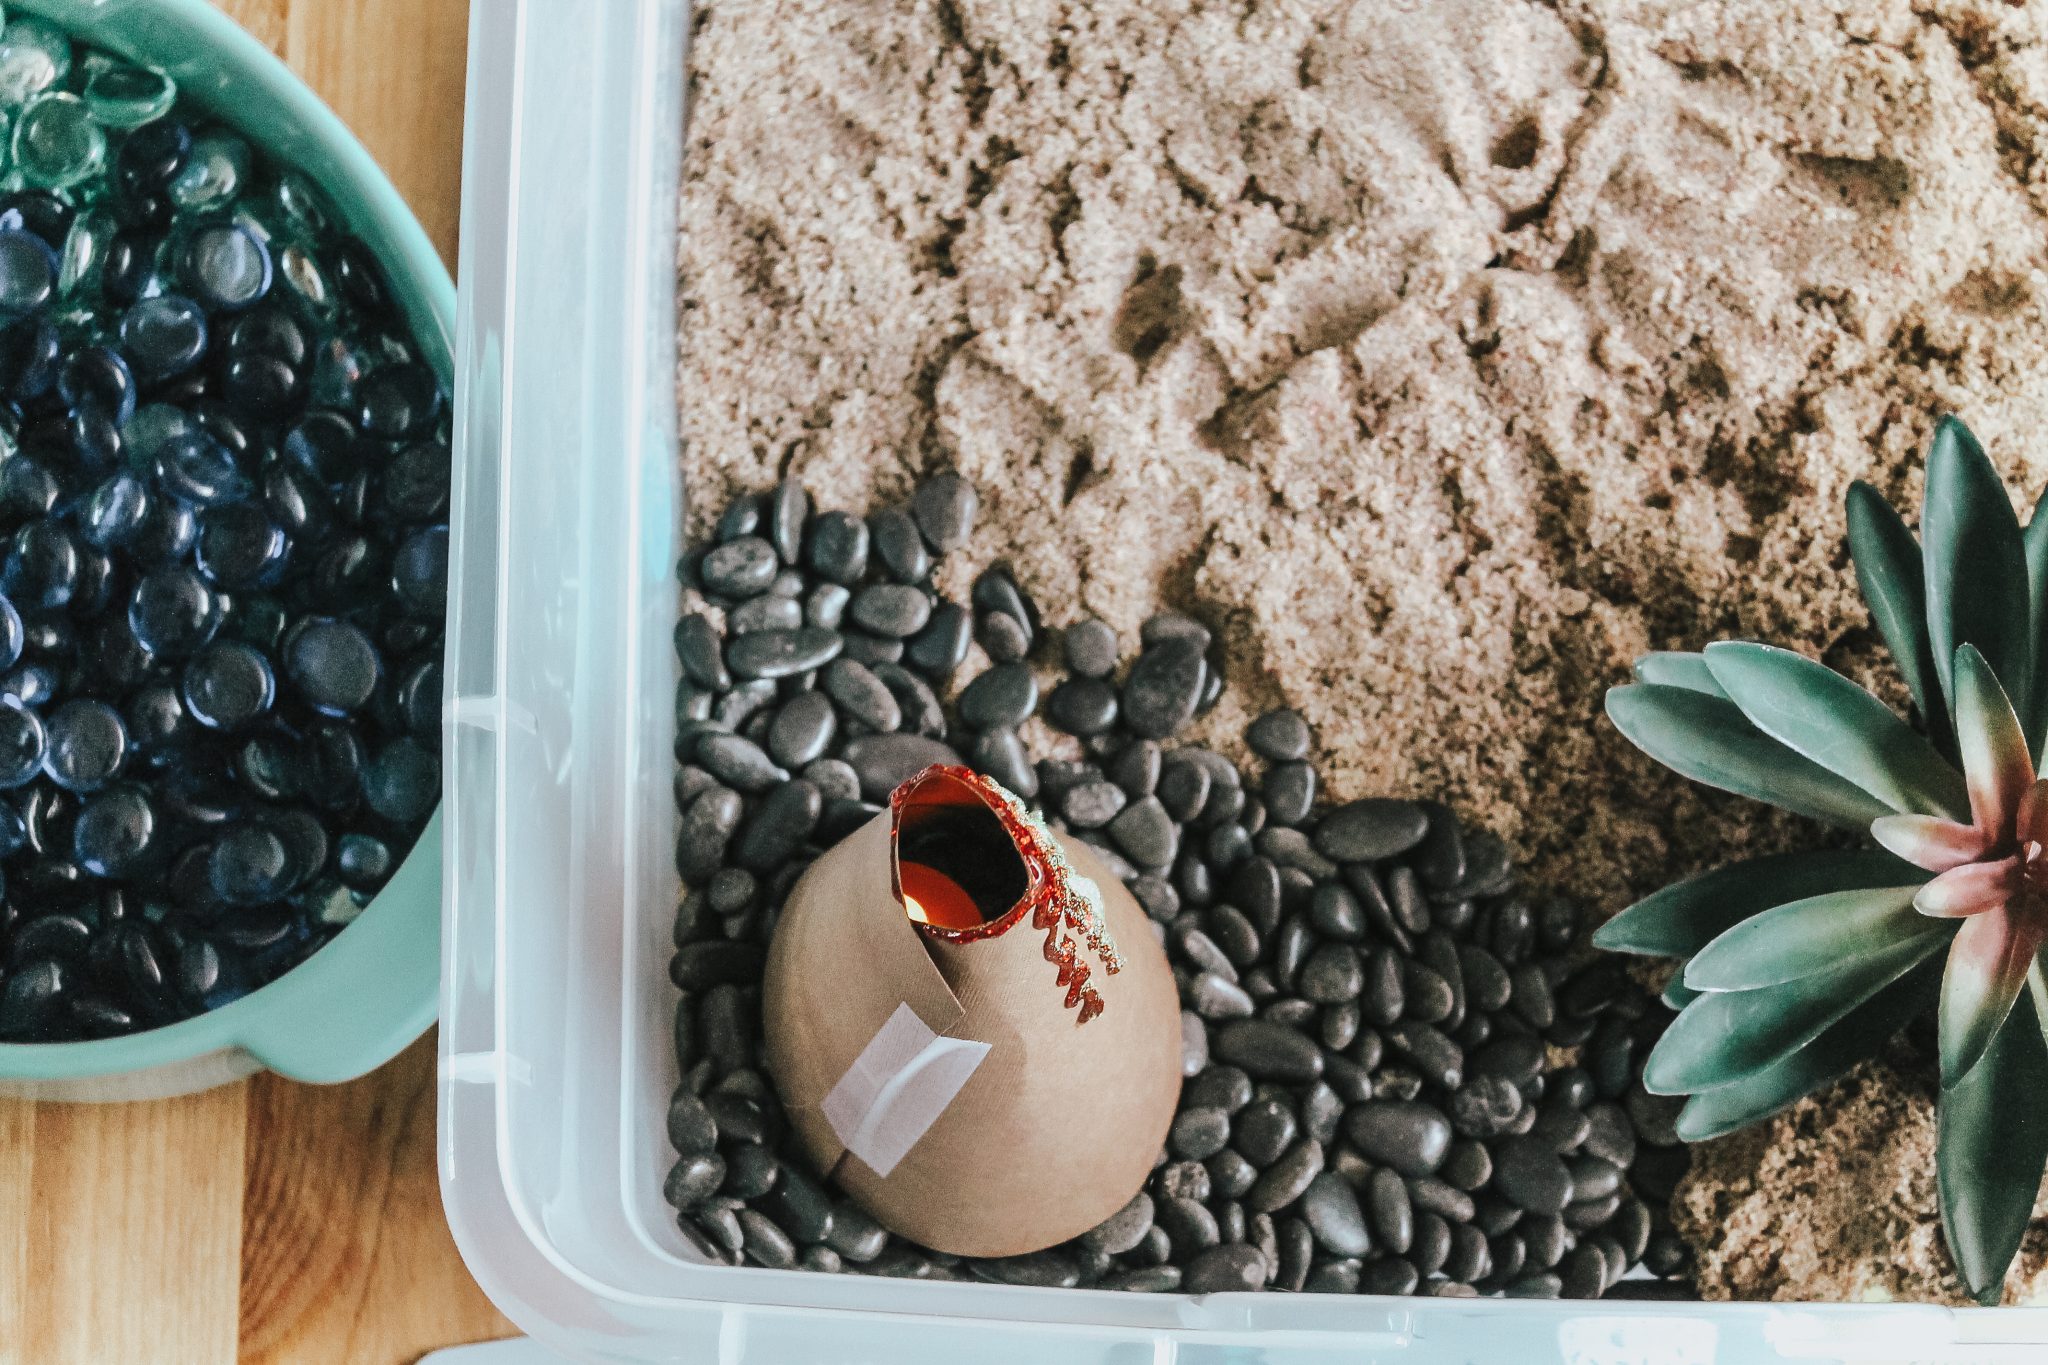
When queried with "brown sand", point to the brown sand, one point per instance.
{"points": [[1444, 355]]}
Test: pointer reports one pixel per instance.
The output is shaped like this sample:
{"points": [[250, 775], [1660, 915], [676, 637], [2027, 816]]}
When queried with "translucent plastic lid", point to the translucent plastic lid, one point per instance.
{"points": [[561, 889]]}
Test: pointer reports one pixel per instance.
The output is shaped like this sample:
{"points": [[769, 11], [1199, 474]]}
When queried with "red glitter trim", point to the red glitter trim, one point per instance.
{"points": [[1049, 897]]}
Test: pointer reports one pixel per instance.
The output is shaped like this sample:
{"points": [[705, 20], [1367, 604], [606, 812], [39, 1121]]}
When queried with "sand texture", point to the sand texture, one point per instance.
{"points": [[1442, 355]]}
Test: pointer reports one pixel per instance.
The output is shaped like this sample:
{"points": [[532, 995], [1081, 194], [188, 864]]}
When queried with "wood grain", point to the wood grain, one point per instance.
{"points": [[264, 1222]]}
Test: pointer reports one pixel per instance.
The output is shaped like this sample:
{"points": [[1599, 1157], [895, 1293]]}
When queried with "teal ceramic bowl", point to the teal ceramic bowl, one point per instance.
{"points": [[358, 1001]]}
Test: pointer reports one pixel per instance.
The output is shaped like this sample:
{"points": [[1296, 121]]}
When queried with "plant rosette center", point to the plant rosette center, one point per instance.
{"points": [[1798, 966]]}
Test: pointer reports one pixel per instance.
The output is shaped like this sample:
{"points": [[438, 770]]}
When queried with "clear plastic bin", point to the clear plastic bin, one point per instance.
{"points": [[556, 1064]]}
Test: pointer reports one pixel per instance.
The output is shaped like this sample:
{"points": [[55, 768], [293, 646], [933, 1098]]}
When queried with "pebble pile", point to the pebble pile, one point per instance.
{"points": [[224, 487], [1372, 1007]]}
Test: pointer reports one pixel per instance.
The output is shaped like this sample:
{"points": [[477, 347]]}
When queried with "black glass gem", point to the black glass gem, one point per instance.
{"points": [[403, 781], [114, 832], [324, 445], [163, 336], [152, 157], [228, 684], [21, 745], [196, 468], [224, 267], [419, 572], [173, 612], [332, 664], [239, 546], [398, 401], [97, 376], [41, 569], [86, 745], [28, 272], [39, 212], [249, 865], [114, 512]]}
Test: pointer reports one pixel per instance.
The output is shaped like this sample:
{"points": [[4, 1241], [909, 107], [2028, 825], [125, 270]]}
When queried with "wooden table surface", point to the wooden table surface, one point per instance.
{"points": [[264, 1221]]}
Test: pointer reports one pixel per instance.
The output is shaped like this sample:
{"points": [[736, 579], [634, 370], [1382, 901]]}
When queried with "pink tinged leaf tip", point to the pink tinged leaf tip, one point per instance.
{"points": [[1996, 766], [1929, 841], [1970, 889], [1987, 965], [2032, 825]]}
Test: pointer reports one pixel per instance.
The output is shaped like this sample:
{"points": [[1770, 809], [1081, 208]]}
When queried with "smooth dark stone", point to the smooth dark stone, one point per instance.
{"points": [[1189, 1226], [766, 612], [1122, 1230], [1228, 1269], [1263, 1130], [1287, 1179], [740, 568], [779, 827], [1004, 696], [691, 1129], [1164, 684], [838, 548], [941, 647], [1407, 1135], [707, 827], [1003, 638], [693, 1179], [1214, 996], [1090, 648], [1485, 1106], [783, 518], [1290, 849], [1183, 789], [803, 730], [799, 1206], [1331, 1211], [1082, 706], [895, 538], [1370, 830], [1528, 1172], [1516, 1058], [739, 763], [1000, 754], [1334, 1277], [855, 1235], [766, 1244], [1198, 1133], [1092, 804], [1332, 974], [1610, 1135], [894, 611], [862, 695], [1230, 1175], [1392, 1276], [1440, 1061], [825, 606], [1270, 1051], [1655, 1116], [884, 762], [1281, 736], [944, 507], [1145, 832], [782, 653], [1289, 792]]}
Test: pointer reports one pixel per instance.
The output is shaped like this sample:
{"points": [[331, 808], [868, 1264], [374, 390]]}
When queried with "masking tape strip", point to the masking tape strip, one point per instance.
{"points": [[897, 1088]]}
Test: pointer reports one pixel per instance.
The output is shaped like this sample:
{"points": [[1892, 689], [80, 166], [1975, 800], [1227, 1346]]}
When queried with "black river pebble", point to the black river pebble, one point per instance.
{"points": [[1368, 1004]]}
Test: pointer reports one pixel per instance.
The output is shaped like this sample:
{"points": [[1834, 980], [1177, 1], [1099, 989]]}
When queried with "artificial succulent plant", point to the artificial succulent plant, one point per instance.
{"points": [[1796, 966]]}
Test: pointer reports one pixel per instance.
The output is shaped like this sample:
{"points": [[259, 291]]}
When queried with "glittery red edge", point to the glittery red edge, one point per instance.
{"points": [[1045, 898]]}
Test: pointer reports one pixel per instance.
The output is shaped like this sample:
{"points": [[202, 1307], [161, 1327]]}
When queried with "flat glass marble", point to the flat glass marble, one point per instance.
{"points": [[122, 96], [56, 144]]}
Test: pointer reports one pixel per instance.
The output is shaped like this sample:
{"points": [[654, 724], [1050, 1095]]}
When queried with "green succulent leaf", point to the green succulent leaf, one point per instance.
{"points": [[1689, 671], [1992, 1146], [1677, 995], [1892, 574], [1709, 740], [1808, 936], [1856, 1035], [1975, 565], [1725, 1036], [1987, 969], [1686, 916], [2034, 543], [1810, 708]]}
